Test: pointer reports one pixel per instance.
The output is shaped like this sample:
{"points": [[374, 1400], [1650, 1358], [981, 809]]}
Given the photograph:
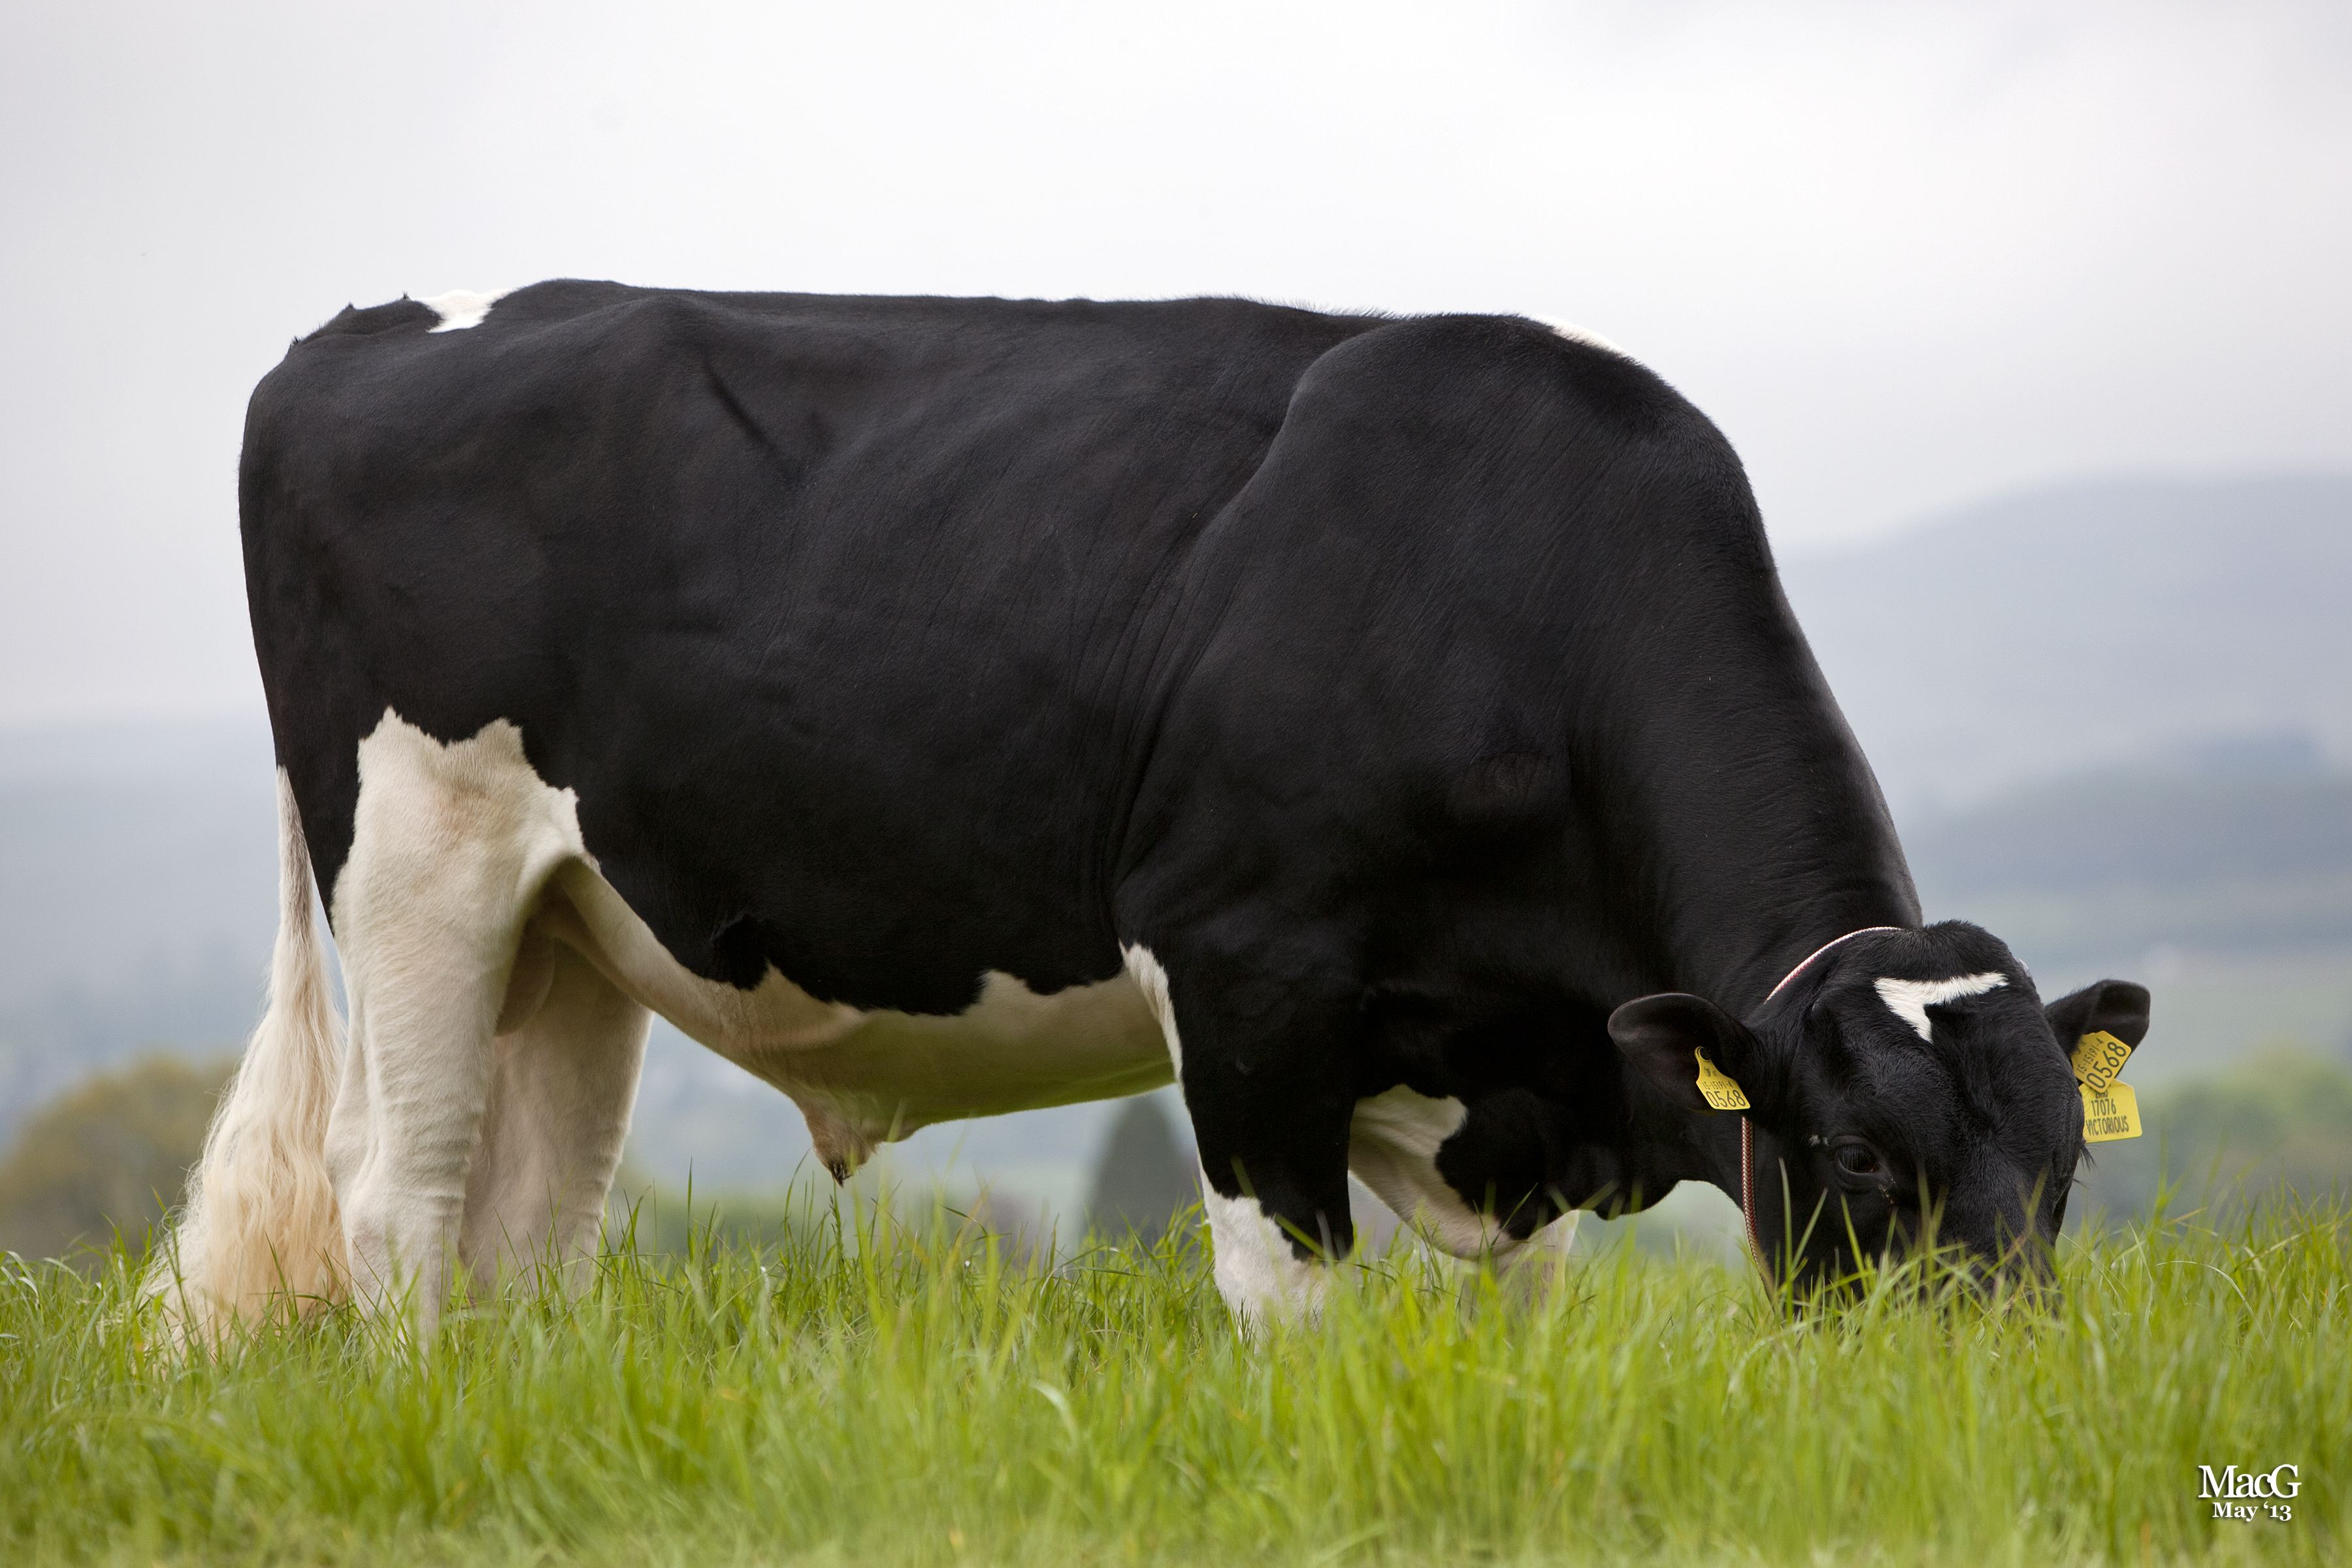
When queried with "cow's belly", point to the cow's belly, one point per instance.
{"points": [[866, 1078]]}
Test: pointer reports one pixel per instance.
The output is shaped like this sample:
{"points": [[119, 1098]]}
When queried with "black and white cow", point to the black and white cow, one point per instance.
{"points": [[1391, 729]]}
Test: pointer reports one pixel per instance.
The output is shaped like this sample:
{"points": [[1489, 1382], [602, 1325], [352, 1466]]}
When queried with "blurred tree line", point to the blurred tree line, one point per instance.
{"points": [[2278, 1122], [113, 1155], [1143, 1179]]}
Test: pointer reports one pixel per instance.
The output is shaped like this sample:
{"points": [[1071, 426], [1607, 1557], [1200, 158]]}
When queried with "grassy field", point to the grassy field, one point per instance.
{"points": [[879, 1395]]}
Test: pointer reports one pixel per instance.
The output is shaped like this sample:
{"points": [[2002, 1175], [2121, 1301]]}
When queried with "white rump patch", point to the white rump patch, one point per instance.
{"points": [[1577, 334], [461, 307], [1910, 999]]}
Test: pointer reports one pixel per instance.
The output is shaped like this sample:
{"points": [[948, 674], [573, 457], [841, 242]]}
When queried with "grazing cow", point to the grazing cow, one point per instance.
{"points": [[1392, 730]]}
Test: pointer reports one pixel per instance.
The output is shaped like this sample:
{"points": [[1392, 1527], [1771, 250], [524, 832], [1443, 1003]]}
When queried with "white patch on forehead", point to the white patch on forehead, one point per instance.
{"points": [[1910, 999], [461, 307]]}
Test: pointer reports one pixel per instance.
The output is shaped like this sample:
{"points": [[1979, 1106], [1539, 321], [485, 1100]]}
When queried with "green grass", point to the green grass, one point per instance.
{"points": [[886, 1397]]}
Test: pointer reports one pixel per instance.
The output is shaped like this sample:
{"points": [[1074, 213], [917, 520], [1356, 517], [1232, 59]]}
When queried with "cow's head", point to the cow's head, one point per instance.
{"points": [[1896, 1076]]}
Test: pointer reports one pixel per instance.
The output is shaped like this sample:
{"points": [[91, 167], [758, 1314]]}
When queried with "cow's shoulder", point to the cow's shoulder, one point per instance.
{"points": [[1512, 378]]}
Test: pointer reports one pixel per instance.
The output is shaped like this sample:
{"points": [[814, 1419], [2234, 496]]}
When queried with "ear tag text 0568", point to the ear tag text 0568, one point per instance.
{"points": [[1720, 1088], [2110, 1109], [2098, 1058]]}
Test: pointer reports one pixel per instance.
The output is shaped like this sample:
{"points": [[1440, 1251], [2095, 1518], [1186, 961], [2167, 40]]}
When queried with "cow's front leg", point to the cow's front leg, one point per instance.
{"points": [[1262, 1061]]}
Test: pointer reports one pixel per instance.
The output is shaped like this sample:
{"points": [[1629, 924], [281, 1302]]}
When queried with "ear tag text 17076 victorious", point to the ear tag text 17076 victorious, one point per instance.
{"points": [[2110, 1109], [1720, 1089]]}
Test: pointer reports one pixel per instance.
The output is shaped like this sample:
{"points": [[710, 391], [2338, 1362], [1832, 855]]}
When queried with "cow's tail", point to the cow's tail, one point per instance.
{"points": [[260, 1238]]}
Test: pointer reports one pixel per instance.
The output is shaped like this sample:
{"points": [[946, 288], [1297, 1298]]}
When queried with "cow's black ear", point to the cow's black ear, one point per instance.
{"points": [[1661, 1036], [2116, 1007]]}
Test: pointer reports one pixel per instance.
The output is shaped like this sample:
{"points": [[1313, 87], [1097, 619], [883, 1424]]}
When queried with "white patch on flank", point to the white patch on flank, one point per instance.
{"points": [[1152, 981], [461, 307], [1393, 1145], [1910, 999], [1259, 1274], [1577, 334]]}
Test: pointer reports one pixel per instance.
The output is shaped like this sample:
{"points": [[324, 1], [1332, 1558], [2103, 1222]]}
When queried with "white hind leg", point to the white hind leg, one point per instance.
{"points": [[451, 846], [559, 1098]]}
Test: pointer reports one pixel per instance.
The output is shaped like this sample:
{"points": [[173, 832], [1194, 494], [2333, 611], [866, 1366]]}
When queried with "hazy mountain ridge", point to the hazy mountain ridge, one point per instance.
{"points": [[2107, 865], [2076, 626]]}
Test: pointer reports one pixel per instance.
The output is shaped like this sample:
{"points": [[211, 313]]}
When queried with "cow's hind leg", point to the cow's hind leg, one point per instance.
{"points": [[558, 1112], [451, 847]]}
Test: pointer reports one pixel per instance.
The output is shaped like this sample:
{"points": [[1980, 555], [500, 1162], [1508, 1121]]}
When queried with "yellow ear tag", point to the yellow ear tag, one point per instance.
{"points": [[2111, 1114], [1719, 1089], [2110, 1109], [2097, 1058]]}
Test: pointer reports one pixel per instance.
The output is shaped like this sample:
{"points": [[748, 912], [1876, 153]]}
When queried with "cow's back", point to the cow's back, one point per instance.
{"points": [[841, 617]]}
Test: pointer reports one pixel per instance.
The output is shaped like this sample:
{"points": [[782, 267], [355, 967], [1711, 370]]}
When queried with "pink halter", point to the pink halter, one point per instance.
{"points": [[1748, 1128]]}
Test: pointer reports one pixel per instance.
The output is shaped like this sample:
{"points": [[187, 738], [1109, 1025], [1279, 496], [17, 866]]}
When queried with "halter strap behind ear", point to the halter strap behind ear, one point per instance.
{"points": [[1748, 1128], [1809, 958]]}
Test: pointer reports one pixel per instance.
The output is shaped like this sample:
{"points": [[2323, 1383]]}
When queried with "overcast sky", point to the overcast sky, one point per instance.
{"points": [[1906, 255]]}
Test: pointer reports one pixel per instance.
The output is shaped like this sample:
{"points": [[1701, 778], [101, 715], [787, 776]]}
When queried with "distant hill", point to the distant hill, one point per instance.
{"points": [[2226, 889], [2118, 860], [2048, 633]]}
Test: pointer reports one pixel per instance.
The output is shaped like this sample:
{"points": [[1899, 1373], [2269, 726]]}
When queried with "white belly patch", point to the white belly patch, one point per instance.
{"points": [[866, 1078]]}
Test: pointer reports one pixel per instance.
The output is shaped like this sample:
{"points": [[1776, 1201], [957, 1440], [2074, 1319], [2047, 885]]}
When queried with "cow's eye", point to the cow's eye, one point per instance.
{"points": [[1856, 1158]]}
